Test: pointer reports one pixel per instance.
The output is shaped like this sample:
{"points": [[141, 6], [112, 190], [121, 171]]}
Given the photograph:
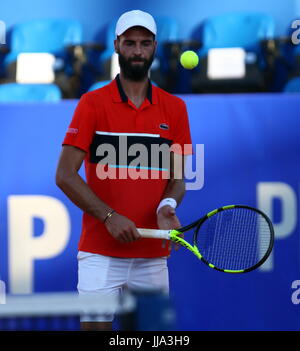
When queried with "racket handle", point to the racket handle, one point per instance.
{"points": [[154, 233]]}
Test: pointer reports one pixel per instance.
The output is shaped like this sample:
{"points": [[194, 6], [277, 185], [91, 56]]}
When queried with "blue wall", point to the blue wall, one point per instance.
{"points": [[251, 145], [94, 14]]}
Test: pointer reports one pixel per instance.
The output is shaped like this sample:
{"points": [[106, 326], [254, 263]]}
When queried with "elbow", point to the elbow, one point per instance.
{"points": [[60, 178]]}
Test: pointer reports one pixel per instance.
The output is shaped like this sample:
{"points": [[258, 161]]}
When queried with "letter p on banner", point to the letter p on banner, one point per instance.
{"points": [[24, 247]]}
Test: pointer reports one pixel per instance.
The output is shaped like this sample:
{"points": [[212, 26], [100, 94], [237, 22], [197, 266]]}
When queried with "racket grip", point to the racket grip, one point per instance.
{"points": [[154, 233]]}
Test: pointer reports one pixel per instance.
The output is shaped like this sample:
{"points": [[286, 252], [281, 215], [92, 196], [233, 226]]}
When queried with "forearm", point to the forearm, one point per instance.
{"points": [[176, 186], [79, 192], [82, 195]]}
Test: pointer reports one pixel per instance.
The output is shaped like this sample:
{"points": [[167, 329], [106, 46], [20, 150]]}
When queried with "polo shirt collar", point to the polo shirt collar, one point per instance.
{"points": [[119, 94]]}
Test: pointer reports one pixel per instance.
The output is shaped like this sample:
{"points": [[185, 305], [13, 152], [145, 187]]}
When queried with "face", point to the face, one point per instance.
{"points": [[136, 48]]}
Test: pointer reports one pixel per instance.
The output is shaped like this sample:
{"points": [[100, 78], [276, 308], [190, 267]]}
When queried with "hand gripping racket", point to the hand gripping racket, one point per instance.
{"points": [[230, 239]]}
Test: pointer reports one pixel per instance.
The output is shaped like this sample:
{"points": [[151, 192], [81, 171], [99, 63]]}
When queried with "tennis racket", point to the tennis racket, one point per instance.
{"points": [[230, 239]]}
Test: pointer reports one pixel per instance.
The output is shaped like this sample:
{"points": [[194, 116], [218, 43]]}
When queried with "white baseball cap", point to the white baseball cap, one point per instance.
{"points": [[135, 18]]}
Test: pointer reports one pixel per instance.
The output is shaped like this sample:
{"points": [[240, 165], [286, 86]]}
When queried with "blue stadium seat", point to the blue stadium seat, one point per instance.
{"points": [[292, 86], [240, 29], [246, 30], [43, 35], [14, 92], [54, 36]]}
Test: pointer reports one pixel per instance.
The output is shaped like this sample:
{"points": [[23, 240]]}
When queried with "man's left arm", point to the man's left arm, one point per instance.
{"points": [[166, 215]]}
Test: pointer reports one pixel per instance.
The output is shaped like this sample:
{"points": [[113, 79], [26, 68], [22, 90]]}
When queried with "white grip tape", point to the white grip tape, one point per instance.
{"points": [[154, 233]]}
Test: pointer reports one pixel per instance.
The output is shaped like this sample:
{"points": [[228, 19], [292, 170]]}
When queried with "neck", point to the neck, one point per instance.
{"points": [[136, 91]]}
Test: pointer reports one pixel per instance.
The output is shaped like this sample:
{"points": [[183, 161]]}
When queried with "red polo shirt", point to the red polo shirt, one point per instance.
{"points": [[119, 139]]}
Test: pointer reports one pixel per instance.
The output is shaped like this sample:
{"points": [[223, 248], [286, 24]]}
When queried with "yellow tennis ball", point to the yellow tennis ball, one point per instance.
{"points": [[189, 59]]}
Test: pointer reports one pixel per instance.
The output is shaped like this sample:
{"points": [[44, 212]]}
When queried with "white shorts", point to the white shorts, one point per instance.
{"points": [[108, 276]]}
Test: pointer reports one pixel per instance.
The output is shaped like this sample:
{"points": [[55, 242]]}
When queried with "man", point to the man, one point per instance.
{"points": [[128, 112]]}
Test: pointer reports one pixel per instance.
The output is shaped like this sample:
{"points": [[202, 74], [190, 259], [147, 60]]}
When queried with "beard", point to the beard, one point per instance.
{"points": [[135, 72]]}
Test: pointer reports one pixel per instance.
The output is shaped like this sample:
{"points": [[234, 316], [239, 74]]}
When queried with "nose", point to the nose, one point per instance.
{"points": [[138, 50]]}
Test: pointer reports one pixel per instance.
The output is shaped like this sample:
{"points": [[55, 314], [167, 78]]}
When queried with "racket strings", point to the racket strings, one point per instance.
{"points": [[234, 239]]}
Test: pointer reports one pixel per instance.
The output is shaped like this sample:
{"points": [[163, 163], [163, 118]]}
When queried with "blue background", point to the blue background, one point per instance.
{"points": [[247, 138], [95, 14]]}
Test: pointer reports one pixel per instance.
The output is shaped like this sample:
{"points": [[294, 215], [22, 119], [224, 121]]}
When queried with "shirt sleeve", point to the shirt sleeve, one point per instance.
{"points": [[182, 142], [82, 127]]}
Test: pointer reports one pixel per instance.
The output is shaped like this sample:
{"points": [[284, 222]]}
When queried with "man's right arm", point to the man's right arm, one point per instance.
{"points": [[78, 191]]}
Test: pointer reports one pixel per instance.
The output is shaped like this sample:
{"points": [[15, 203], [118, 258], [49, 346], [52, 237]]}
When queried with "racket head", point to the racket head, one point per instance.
{"points": [[234, 238]]}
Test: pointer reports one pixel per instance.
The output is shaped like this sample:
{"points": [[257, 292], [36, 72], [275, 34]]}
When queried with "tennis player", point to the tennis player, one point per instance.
{"points": [[128, 112]]}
